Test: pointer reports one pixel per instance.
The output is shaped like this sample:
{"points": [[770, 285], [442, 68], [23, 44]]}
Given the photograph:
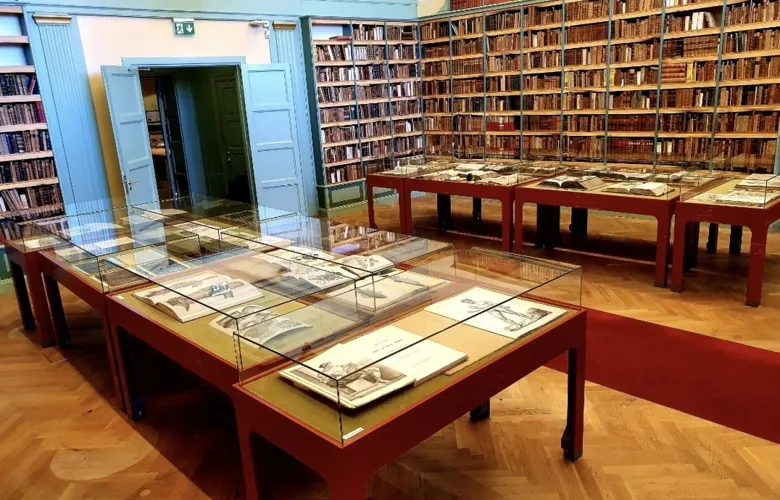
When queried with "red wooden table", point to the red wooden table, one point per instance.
{"points": [[55, 273], [389, 182], [662, 209], [504, 194], [757, 220], [126, 322], [347, 466], [36, 315]]}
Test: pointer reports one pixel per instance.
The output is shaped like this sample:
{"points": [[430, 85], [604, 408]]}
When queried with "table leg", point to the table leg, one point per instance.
{"points": [[690, 246], [347, 487], [663, 235], [542, 225], [506, 224], [758, 236], [481, 412], [255, 453], [58, 320], [579, 222], [518, 244], [712, 238], [476, 211], [735, 240], [695, 241], [402, 206], [22, 296], [126, 366], [444, 209], [40, 302], [572, 439], [407, 212], [370, 203], [678, 254], [555, 228]]}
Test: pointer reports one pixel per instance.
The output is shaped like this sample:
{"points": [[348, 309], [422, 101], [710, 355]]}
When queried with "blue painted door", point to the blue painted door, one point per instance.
{"points": [[273, 136], [131, 134]]}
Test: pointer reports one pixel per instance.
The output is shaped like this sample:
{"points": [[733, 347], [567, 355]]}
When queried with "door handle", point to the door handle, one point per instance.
{"points": [[129, 184]]}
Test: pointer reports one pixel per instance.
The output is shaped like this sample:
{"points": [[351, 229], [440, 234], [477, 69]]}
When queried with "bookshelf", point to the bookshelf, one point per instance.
{"points": [[365, 101], [29, 186], [643, 82]]}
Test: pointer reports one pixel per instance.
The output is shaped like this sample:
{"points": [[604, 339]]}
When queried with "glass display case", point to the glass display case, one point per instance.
{"points": [[614, 180], [754, 191], [491, 169], [210, 294], [86, 243], [208, 216], [351, 250], [347, 364]]}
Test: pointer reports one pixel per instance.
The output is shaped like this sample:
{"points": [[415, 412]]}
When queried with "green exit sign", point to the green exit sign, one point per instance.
{"points": [[184, 27]]}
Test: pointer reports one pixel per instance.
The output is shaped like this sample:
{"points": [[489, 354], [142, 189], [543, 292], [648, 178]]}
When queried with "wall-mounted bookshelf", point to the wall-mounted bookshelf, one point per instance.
{"points": [[29, 187], [648, 82], [365, 101]]}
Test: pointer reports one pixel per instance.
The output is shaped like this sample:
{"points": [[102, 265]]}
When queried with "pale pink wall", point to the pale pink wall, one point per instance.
{"points": [[107, 40]]}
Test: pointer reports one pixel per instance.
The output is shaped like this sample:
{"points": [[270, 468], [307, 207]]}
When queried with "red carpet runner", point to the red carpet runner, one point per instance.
{"points": [[725, 382]]}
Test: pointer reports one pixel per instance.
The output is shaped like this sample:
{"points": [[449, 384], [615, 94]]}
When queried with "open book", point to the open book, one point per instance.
{"points": [[363, 370], [256, 323], [760, 181], [639, 188], [379, 292], [198, 295], [587, 183]]}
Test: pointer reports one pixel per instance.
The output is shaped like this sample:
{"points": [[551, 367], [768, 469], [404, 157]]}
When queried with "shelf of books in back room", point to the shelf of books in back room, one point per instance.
{"points": [[367, 96], [28, 179]]}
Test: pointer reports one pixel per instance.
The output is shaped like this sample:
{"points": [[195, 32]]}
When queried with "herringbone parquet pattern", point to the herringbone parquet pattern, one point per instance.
{"points": [[61, 438], [711, 304]]}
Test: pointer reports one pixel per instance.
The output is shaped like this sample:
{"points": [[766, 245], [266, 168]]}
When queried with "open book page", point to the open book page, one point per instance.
{"points": [[199, 295], [479, 308], [298, 276], [256, 323], [374, 365], [296, 253], [113, 243], [650, 189], [620, 187], [255, 241], [392, 290], [468, 167], [760, 181], [199, 229]]}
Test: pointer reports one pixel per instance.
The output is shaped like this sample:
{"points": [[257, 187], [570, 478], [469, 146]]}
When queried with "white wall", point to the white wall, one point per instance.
{"points": [[106, 40]]}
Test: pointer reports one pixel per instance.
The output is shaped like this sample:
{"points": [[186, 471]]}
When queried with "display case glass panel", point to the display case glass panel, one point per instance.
{"points": [[754, 191], [344, 365], [212, 292]]}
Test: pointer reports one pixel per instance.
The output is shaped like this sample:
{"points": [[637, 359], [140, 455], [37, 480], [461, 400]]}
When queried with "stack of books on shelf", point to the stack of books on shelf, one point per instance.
{"points": [[18, 85], [31, 141], [19, 171]]}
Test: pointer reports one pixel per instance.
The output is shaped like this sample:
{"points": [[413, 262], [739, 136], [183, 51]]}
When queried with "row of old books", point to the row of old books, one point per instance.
{"points": [[338, 114], [751, 122], [338, 134], [468, 105], [439, 68], [466, 123], [340, 153], [438, 123], [404, 71], [345, 173], [405, 89], [686, 122], [689, 47], [503, 83], [368, 32], [503, 63], [468, 26], [436, 87], [436, 50], [587, 33], [745, 41], [14, 200], [468, 86], [407, 126], [502, 21], [467, 47], [374, 129], [503, 42], [405, 33], [18, 84], [742, 69], [368, 52], [467, 66], [25, 113], [676, 23], [437, 105], [31, 141], [26, 170], [431, 31], [750, 96], [752, 12]]}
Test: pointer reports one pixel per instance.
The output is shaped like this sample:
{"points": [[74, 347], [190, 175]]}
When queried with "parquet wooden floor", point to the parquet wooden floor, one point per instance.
{"points": [[61, 438], [711, 304]]}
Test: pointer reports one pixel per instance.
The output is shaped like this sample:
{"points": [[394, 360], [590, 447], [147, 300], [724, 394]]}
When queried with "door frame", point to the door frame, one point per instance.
{"points": [[198, 62]]}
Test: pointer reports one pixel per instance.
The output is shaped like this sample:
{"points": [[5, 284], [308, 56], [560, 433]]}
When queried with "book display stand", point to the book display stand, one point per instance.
{"points": [[370, 389], [753, 202]]}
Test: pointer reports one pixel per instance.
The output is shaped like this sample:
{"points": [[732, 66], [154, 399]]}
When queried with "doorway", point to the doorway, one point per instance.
{"points": [[238, 126], [197, 131]]}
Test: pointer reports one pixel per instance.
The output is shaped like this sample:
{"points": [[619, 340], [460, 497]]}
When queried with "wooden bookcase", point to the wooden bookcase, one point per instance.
{"points": [[644, 82], [29, 188], [365, 101]]}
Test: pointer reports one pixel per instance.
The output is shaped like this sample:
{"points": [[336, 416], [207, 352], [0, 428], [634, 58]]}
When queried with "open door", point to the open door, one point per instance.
{"points": [[273, 136], [126, 106]]}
